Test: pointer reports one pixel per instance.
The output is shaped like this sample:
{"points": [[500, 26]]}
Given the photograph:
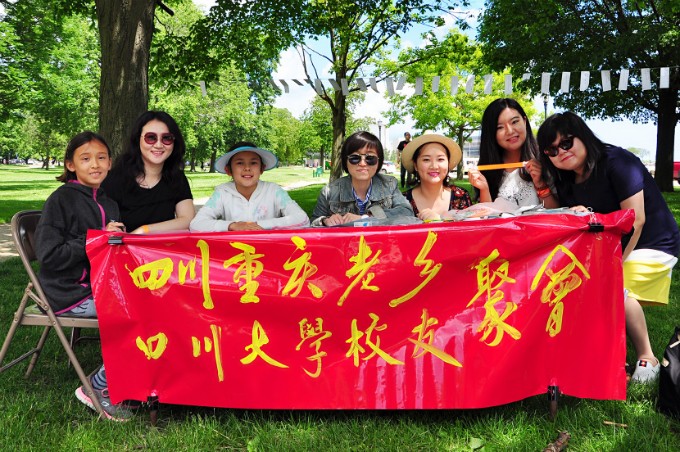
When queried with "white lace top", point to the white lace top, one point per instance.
{"points": [[517, 190]]}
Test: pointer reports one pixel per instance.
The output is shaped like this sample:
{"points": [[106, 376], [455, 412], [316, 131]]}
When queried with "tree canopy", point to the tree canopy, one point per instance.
{"points": [[457, 114], [185, 54], [558, 36], [357, 33], [52, 73], [51, 53]]}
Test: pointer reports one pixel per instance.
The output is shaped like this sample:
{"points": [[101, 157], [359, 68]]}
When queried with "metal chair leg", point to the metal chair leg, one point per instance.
{"points": [[38, 349], [75, 337]]}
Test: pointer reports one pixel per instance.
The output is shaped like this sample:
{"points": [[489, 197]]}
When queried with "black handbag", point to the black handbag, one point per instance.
{"points": [[669, 378]]}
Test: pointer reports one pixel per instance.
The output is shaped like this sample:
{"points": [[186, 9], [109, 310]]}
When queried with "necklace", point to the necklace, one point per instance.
{"points": [[144, 183]]}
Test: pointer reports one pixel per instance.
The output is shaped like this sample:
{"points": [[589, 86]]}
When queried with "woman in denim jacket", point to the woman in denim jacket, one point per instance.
{"points": [[364, 192]]}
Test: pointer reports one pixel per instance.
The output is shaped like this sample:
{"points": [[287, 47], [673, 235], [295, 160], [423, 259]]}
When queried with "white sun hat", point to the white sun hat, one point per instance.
{"points": [[269, 160]]}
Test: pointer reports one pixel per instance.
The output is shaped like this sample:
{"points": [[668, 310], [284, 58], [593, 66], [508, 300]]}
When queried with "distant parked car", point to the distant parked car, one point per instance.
{"points": [[388, 167], [676, 171]]}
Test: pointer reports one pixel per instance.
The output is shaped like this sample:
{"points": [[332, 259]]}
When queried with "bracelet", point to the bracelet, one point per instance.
{"points": [[145, 229], [543, 192]]}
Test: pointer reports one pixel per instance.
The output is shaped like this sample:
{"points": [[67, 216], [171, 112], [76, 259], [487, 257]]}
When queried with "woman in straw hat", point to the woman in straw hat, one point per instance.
{"points": [[430, 158]]}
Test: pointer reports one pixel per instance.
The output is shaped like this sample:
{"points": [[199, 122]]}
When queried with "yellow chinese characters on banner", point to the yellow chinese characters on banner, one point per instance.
{"points": [[371, 342], [429, 271], [260, 339], [492, 273], [562, 283], [489, 280], [211, 344], [363, 260], [303, 269], [155, 275], [313, 334], [379, 317], [424, 342], [154, 346], [249, 269]]}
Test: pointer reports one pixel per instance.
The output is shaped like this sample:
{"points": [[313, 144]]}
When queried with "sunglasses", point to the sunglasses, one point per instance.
{"points": [[565, 144], [370, 159], [151, 138]]}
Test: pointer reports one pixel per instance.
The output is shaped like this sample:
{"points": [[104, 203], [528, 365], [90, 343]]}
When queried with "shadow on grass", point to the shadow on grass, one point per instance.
{"points": [[306, 197], [26, 186], [12, 206]]}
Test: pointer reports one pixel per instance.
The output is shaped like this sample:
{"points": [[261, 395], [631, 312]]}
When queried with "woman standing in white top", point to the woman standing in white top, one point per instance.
{"points": [[507, 138]]}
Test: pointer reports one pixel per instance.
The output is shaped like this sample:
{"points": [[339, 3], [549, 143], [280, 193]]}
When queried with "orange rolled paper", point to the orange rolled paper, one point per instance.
{"points": [[500, 166]]}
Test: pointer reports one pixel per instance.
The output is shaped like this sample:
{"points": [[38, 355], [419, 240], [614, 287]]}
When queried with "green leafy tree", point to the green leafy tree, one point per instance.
{"points": [[184, 107], [311, 144], [568, 35], [223, 116], [126, 33], [357, 32], [11, 138], [285, 136], [358, 35], [319, 132], [457, 115], [59, 77], [248, 34], [12, 77], [643, 154]]}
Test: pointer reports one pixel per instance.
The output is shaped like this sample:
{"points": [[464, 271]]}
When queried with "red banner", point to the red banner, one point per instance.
{"points": [[439, 315]]}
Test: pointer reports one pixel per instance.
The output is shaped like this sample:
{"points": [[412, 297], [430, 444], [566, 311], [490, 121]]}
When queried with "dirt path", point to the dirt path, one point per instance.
{"points": [[7, 249]]}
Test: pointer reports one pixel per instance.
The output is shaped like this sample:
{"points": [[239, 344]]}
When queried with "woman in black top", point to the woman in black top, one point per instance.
{"points": [[148, 181]]}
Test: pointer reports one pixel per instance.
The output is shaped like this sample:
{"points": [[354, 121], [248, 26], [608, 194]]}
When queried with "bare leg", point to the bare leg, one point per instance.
{"points": [[636, 328]]}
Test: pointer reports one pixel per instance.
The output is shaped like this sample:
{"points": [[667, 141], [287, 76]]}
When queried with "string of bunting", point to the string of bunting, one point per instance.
{"points": [[392, 84]]}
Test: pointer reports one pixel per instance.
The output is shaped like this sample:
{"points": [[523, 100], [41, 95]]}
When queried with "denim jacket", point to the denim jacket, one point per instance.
{"points": [[386, 200]]}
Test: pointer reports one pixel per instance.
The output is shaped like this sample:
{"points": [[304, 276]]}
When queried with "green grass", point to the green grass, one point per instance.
{"points": [[42, 413], [27, 188]]}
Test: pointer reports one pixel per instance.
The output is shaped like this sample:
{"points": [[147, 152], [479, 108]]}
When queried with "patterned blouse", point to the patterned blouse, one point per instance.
{"points": [[460, 199], [517, 190]]}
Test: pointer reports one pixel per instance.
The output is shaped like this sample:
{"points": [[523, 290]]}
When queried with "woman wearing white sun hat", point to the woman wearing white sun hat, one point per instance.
{"points": [[248, 203]]}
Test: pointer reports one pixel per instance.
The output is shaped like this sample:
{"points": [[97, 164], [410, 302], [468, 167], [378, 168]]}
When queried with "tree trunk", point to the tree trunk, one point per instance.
{"points": [[213, 159], [339, 123], [125, 32], [665, 138], [461, 140]]}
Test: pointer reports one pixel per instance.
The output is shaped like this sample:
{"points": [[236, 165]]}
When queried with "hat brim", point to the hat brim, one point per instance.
{"points": [[455, 154], [268, 159]]}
